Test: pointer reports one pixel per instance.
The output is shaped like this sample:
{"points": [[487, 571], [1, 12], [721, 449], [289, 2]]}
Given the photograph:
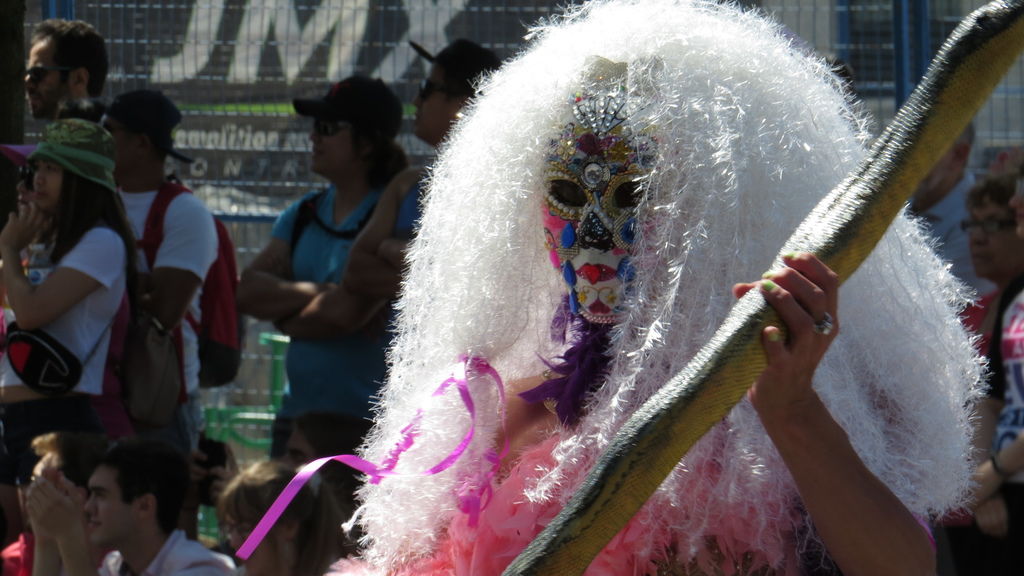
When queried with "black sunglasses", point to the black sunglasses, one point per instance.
{"points": [[328, 128], [26, 174], [988, 226], [36, 74], [427, 88]]}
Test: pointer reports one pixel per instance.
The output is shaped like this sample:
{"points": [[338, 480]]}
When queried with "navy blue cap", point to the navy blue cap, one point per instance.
{"points": [[151, 113], [368, 104], [463, 62]]}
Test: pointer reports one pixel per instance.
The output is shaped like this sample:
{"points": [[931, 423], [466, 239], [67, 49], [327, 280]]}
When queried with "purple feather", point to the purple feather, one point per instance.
{"points": [[582, 368]]}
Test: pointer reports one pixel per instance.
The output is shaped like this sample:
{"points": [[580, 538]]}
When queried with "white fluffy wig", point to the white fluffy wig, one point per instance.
{"points": [[751, 134]]}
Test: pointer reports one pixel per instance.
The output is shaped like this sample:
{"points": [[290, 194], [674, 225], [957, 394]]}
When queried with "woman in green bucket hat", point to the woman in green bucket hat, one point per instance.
{"points": [[68, 262]]}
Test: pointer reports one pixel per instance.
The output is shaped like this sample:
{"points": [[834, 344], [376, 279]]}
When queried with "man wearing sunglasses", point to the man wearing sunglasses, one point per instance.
{"points": [[449, 85], [67, 61]]}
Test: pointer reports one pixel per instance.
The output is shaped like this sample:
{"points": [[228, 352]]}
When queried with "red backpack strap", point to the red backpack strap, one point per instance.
{"points": [[153, 232], [222, 275], [152, 236]]}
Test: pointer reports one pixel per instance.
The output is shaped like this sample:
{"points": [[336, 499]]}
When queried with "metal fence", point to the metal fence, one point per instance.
{"points": [[233, 66]]}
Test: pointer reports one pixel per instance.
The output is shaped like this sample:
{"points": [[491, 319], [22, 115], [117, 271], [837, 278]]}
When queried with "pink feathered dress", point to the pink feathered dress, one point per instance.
{"points": [[509, 522]]}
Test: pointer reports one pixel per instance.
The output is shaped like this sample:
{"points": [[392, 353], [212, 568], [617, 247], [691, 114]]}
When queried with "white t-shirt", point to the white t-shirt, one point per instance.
{"points": [[100, 255], [189, 243], [179, 556]]}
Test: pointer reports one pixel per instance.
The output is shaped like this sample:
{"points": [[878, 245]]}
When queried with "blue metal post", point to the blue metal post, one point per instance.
{"points": [[924, 27], [902, 81], [59, 9], [843, 30], [923, 37]]}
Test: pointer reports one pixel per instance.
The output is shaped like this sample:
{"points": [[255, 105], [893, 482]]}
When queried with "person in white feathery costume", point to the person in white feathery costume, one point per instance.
{"points": [[724, 135]]}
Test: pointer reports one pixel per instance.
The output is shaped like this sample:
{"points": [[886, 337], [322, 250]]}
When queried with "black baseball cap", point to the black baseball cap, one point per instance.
{"points": [[151, 113], [368, 104], [463, 62]]}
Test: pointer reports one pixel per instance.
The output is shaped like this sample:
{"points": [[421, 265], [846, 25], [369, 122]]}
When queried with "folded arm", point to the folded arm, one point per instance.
{"points": [[376, 259], [268, 292], [332, 313], [371, 278]]}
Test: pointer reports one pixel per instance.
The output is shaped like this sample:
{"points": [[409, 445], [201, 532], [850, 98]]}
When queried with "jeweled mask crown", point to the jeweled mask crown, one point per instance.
{"points": [[592, 175]]}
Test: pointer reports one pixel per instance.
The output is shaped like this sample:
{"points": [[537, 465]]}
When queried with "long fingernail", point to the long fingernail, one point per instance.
{"points": [[789, 255], [768, 285], [768, 274], [774, 336]]}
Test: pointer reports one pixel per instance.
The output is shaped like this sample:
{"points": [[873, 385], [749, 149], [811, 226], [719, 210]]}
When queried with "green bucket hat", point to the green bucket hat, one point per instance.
{"points": [[81, 147]]}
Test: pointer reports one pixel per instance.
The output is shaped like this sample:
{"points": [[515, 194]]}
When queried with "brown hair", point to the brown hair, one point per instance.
{"points": [[76, 44], [83, 205], [318, 542], [78, 452], [995, 189], [385, 158]]}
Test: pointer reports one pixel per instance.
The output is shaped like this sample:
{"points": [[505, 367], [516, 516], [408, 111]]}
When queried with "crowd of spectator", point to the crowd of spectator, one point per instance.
{"points": [[136, 483]]}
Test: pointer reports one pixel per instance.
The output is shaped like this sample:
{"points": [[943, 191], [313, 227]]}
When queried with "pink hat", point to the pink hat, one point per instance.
{"points": [[17, 153]]}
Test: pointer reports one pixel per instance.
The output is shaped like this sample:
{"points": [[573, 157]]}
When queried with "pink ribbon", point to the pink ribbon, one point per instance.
{"points": [[473, 496]]}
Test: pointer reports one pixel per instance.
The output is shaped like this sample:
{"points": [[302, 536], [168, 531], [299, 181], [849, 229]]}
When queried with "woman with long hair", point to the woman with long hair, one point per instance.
{"points": [[68, 261], [305, 540]]}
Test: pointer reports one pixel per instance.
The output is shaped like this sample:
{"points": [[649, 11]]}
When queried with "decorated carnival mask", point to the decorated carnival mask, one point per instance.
{"points": [[592, 192]]}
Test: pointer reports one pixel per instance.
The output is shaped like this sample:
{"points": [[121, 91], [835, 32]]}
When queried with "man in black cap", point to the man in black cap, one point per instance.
{"points": [[454, 73], [374, 270], [333, 365], [171, 271]]}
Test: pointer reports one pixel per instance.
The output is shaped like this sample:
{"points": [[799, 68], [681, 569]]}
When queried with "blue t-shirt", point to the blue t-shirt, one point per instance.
{"points": [[336, 374], [408, 218]]}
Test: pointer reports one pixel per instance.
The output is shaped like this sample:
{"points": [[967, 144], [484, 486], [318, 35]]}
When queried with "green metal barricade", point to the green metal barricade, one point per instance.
{"points": [[238, 425]]}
